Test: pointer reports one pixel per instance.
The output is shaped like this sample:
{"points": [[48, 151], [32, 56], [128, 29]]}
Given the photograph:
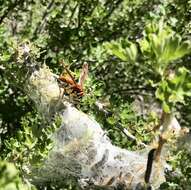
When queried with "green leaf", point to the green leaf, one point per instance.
{"points": [[159, 94], [178, 96], [164, 46], [165, 107], [123, 49], [116, 50], [111, 120], [132, 52]]}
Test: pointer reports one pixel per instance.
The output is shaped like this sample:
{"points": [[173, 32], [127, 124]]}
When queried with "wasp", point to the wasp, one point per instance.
{"points": [[68, 83]]}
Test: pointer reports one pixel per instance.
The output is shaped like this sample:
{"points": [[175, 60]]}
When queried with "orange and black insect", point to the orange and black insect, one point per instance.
{"points": [[71, 87]]}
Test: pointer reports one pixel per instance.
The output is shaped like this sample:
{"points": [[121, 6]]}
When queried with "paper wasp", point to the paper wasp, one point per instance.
{"points": [[68, 83]]}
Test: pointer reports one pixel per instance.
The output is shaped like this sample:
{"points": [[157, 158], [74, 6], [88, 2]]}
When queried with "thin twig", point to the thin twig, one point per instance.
{"points": [[42, 22], [130, 136], [112, 9], [71, 16], [64, 6]]}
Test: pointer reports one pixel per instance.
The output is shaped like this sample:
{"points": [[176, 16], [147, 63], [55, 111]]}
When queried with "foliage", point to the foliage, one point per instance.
{"points": [[179, 176], [135, 50], [9, 178], [160, 46], [174, 89]]}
